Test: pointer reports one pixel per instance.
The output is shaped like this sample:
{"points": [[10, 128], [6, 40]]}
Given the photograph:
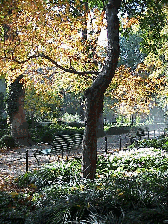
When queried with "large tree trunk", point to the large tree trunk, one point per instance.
{"points": [[100, 126], [94, 95], [94, 108], [19, 126]]}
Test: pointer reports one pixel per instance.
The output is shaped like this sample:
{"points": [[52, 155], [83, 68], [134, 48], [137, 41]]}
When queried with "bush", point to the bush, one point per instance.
{"points": [[8, 141], [118, 130], [47, 133], [76, 124], [47, 137], [71, 118], [158, 143]]}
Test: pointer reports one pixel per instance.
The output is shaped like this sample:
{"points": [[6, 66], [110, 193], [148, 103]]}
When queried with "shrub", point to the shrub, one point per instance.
{"points": [[47, 137], [157, 143], [71, 118], [8, 141]]}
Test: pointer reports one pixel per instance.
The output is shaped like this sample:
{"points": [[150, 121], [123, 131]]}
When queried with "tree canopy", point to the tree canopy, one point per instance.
{"points": [[50, 33]]}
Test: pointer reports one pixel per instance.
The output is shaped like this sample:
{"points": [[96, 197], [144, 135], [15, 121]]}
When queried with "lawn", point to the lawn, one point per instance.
{"points": [[131, 187]]}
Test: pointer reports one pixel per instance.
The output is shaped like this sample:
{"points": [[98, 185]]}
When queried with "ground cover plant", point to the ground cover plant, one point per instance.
{"points": [[160, 142], [130, 187]]}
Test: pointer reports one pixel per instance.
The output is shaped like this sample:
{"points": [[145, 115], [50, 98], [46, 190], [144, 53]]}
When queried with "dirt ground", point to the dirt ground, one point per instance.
{"points": [[13, 161]]}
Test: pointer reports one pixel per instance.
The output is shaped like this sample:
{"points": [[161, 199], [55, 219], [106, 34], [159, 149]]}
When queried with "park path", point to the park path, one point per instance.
{"points": [[13, 161]]}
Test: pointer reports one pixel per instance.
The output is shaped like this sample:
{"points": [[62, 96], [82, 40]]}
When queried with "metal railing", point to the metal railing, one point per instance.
{"points": [[121, 143]]}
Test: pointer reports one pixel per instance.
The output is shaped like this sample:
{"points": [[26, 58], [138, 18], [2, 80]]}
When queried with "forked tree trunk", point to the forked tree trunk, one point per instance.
{"points": [[94, 95]]}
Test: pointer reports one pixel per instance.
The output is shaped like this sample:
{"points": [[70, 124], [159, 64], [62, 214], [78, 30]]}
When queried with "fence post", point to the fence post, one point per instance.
{"points": [[148, 135], [154, 133], [120, 143], [164, 131], [105, 144], [27, 156], [62, 153]]}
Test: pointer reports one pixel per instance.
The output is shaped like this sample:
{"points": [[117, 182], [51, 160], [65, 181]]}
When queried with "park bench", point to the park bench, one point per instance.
{"points": [[62, 143]]}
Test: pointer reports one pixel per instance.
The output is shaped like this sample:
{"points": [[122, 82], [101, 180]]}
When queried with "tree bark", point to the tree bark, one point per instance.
{"points": [[94, 95], [100, 126], [19, 126], [93, 110]]}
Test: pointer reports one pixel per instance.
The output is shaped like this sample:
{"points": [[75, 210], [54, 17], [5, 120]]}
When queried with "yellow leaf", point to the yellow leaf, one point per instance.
{"points": [[33, 186], [14, 194]]}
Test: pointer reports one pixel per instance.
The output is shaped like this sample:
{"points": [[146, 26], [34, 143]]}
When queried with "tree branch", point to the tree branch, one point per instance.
{"points": [[102, 81], [42, 55], [20, 62], [70, 70]]}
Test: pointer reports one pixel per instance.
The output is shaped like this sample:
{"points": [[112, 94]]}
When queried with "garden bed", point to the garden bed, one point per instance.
{"points": [[130, 187]]}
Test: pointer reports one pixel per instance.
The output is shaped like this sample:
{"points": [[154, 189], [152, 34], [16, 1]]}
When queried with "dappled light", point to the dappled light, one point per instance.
{"points": [[83, 112]]}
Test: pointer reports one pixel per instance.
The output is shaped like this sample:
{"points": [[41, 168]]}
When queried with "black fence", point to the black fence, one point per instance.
{"points": [[111, 142]]}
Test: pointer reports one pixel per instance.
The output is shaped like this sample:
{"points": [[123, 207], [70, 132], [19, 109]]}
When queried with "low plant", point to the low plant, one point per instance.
{"points": [[129, 185], [133, 160], [158, 143]]}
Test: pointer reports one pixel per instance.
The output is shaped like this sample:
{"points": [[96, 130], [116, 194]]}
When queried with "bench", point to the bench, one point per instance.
{"points": [[61, 143]]}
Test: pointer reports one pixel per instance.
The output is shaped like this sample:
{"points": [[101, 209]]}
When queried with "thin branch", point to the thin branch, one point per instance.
{"points": [[70, 70], [17, 61]]}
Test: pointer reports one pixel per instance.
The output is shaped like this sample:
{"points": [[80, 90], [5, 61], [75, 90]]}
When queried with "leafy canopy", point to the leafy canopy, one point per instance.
{"points": [[37, 36]]}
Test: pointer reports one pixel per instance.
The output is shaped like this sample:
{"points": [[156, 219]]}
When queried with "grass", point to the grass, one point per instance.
{"points": [[130, 187]]}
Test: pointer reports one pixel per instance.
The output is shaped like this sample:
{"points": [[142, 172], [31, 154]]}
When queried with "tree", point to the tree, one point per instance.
{"points": [[133, 91], [16, 112], [134, 88], [94, 95], [130, 54], [42, 96], [46, 34]]}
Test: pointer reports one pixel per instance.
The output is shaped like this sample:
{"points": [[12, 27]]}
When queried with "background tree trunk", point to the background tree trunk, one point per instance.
{"points": [[94, 95], [19, 126]]}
